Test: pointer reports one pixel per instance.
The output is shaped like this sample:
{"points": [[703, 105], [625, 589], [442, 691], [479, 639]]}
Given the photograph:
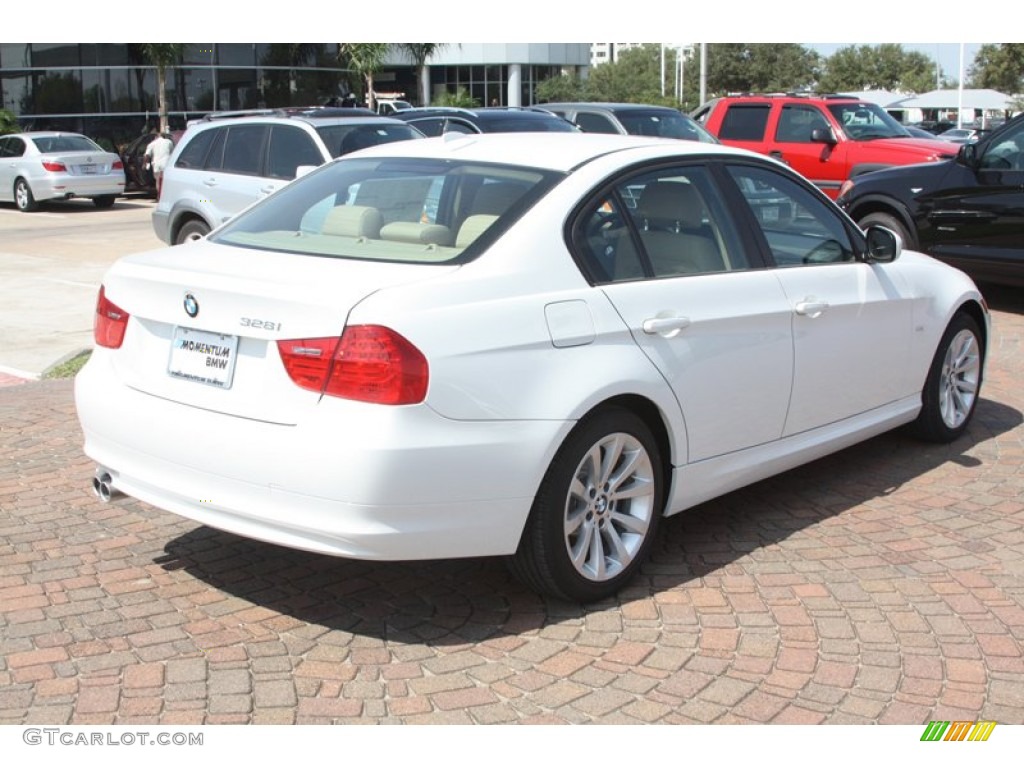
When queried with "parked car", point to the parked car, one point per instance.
{"points": [[919, 133], [635, 119], [224, 163], [961, 135], [50, 165], [434, 121], [138, 175], [490, 345], [828, 139], [968, 212]]}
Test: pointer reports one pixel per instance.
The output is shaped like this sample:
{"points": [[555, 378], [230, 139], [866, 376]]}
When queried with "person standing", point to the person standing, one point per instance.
{"points": [[157, 154]]}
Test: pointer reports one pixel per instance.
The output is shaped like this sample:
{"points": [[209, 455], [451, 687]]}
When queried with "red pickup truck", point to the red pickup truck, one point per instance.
{"points": [[827, 139]]}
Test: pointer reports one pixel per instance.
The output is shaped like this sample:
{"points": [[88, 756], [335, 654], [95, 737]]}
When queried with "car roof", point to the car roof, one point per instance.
{"points": [[611, 106], [44, 134], [316, 122], [556, 151]]}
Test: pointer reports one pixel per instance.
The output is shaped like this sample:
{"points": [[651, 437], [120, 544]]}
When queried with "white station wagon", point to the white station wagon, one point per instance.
{"points": [[532, 346]]}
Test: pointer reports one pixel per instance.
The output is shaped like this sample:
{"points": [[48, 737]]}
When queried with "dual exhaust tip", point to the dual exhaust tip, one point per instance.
{"points": [[103, 485]]}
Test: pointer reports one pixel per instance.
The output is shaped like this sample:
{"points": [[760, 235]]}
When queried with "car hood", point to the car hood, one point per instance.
{"points": [[928, 149], [904, 181]]}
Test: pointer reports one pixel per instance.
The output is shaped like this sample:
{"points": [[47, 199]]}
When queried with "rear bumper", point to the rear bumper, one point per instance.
{"points": [[59, 186], [368, 482], [162, 225]]}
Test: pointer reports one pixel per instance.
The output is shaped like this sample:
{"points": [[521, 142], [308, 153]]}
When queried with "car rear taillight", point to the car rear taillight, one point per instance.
{"points": [[110, 322], [368, 363], [54, 166], [117, 166]]}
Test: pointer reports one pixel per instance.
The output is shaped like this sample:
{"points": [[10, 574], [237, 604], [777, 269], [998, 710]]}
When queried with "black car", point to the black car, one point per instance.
{"points": [[434, 121], [968, 211], [138, 176]]}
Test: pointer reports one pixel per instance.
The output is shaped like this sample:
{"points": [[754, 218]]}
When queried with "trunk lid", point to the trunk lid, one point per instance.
{"points": [[205, 319]]}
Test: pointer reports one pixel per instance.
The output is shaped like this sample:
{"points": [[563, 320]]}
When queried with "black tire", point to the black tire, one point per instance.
{"points": [[890, 222], [576, 509], [953, 385], [104, 201], [23, 197], [192, 230]]}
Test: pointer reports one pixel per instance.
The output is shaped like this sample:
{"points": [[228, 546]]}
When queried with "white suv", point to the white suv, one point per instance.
{"points": [[225, 163]]}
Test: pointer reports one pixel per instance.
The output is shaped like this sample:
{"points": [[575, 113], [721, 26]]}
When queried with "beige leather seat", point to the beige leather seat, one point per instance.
{"points": [[670, 215], [353, 221]]}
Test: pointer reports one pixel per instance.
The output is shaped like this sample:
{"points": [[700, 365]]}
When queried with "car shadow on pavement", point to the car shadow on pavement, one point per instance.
{"points": [[451, 602]]}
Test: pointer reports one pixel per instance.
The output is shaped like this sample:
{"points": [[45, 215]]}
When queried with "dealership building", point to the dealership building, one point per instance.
{"points": [[109, 90]]}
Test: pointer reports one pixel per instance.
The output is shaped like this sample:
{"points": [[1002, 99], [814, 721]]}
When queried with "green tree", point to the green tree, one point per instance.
{"points": [[755, 67], [877, 67], [366, 59], [420, 53], [8, 122], [999, 66], [162, 56], [461, 98]]}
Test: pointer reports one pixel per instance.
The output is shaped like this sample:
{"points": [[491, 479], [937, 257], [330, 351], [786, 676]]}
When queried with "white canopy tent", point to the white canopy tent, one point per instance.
{"points": [[970, 98], [969, 104]]}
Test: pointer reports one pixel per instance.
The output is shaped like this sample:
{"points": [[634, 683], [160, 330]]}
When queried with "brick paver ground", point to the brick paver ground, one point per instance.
{"points": [[884, 584]]}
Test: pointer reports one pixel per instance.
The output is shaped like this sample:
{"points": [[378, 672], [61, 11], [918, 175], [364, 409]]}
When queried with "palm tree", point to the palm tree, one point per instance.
{"points": [[366, 59], [162, 56], [419, 53]]}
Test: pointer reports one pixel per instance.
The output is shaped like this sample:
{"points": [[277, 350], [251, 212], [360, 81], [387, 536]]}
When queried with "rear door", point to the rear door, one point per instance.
{"points": [[234, 176], [715, 324]]}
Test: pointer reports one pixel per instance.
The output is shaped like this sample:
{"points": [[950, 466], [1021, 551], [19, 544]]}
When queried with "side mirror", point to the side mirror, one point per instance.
{"points": [[884, 245], [824, 136], [968, 155]]}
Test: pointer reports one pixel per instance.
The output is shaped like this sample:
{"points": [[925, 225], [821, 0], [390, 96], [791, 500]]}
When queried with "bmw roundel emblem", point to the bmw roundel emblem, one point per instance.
{"points": [[191, 305]]}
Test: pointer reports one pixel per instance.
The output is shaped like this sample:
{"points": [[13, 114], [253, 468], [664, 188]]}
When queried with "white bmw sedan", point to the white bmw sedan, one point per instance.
{"points": [[519, 345], [50, 165]]}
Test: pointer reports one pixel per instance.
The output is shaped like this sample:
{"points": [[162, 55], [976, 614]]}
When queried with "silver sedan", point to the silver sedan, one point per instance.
{"points": [[51, 165]]}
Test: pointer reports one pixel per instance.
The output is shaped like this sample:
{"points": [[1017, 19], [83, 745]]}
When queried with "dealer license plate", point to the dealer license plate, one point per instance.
{"points": [[87, 169], [203, 357]]}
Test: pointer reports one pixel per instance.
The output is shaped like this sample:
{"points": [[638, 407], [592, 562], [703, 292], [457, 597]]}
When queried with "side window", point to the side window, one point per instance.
{"points": [[430, 126], [745, 122], [195, 152], [1007, 153], [290, 147], [243, 148], [799, 228], [12, 147], [455, 125], [593, 123], [796, 123], [664, 224]]}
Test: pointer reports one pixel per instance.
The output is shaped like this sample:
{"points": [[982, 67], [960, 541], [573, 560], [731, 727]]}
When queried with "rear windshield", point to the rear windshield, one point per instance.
{"points": [[48, 144], [526, 125], [401, 210], [668, 124], [342, 139]]}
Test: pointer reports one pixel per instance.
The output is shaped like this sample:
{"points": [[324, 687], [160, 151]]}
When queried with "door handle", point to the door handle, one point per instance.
{"points": [[210, 182], [665, 326], [811, 307], [777, 154], [268, 189]]}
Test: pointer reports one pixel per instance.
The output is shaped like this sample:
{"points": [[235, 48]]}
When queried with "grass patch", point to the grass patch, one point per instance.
{"points": [[68, 368]]}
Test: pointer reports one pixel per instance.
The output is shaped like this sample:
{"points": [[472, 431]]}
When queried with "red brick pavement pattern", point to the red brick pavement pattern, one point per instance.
{"points": [[884, 584]]}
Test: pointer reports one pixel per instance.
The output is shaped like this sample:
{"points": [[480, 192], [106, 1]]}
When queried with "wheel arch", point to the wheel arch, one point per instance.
{"points": [[183, 216], [649, 412], [887, 205]]}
